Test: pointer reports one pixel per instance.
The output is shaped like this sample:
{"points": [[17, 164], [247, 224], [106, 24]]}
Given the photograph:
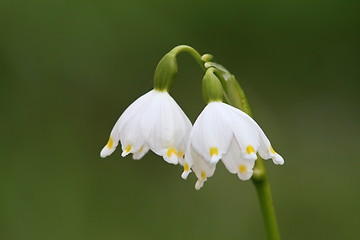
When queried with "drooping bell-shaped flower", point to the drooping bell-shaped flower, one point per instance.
{"points": [[153, 122], [224, 132]]}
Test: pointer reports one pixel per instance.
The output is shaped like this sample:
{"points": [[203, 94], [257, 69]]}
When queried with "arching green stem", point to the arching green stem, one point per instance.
{"points": [[167, 68], [191, 51]]}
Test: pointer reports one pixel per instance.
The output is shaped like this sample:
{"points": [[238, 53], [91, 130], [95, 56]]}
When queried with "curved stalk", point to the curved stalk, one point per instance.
{"points": [[191, 51]]}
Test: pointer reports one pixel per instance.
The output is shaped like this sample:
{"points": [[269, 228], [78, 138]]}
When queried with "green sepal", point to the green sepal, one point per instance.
{"points": [[211, 87], [165, 72]]}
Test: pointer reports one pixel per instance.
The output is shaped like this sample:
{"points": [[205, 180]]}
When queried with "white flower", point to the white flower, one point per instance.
{"points": [[154, 121], [224, 132]]}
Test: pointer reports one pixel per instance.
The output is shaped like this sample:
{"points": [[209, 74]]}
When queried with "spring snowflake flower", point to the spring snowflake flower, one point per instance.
{"points": [[224, 132], [153, 122]]}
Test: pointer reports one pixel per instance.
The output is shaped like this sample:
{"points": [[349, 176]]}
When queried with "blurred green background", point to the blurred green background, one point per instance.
{"points": [[69, 68]]}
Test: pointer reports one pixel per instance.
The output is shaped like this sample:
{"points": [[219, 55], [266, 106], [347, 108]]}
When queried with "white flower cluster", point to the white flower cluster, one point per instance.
{"points": [[221, 132]]}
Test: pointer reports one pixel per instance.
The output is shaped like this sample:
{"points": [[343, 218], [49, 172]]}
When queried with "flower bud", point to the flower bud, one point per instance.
{"points": [[207, 57]]}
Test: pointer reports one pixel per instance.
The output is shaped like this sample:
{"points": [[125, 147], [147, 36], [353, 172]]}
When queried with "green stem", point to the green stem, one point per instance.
{"points": [[262, 185], [191, 51], [167, 68]]}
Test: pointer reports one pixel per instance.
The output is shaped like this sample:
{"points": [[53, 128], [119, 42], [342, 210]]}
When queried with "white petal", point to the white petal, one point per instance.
{"points": [[235, 162], [137, 131], [185, 174], [266, 151], [249, 133], [277, 159], [182, 127], [128, 114], [139, 154], [245, 175], [211, 133], [131, 136], [170, 155], [187, 161], [180, 132], [231, 158], [245, 131], [125, 153], [202, 168], [109, 148], [199, 184], [135, 107], [165, 127], [162, 128], [265, 146]]}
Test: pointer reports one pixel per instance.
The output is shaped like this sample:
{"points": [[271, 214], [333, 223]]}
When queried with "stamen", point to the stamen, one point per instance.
{"points": [[250, 149], [171, 151], [110, 143], [203, 175], [214, 151]]}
